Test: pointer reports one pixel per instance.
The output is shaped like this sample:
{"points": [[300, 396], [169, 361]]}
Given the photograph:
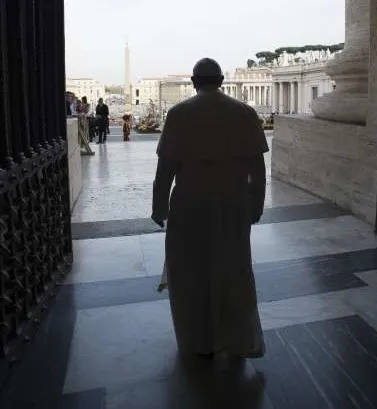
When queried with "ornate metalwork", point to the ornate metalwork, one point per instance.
{"points": [[35, 235]]}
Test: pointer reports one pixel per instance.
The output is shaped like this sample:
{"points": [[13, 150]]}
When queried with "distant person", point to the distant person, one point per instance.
{"points": [[220, 181], [78, 107], [102, 116], [82, 110], [85, 107], [126, 127], [68, 103], [92, 127], [74, 104]]}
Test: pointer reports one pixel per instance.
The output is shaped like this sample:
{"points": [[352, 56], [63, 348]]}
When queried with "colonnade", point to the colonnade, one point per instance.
{"points": [[254, 94], [287, 97]]}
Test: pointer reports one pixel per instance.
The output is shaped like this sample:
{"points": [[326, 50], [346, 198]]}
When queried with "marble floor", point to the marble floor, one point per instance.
{"points": [[108, 341]]}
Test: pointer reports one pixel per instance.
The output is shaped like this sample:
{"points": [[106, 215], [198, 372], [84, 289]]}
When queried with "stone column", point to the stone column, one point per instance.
{"points": [[292, 100], [281, 97], [349, 102], [239, 92], [299, 98], [265, 96]]}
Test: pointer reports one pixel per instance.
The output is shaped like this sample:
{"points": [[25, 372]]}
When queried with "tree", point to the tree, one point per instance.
{"points": [[251, 63], [336, 47], [266, 57]]}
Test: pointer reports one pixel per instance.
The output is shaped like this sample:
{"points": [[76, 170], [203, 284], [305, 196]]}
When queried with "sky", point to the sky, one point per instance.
{"points": [[169, 36]]}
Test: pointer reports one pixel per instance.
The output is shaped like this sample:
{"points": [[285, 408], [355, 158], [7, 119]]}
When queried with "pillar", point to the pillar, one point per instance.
{"points": [[292, 100], [349, 102], [281, 98], [239, 91], [299, 98], [265, 96]]}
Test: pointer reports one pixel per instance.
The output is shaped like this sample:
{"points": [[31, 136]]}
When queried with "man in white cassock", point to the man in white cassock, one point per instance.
{"points": [[213, 146]]}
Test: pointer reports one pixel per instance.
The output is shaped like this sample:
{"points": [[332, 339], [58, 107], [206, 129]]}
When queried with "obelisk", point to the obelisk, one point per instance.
{"points": [[127, 82]]}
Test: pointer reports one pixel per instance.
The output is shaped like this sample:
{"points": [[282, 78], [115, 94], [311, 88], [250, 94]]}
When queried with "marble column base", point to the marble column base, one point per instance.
{"points": [[344, 107], [330, 159]]}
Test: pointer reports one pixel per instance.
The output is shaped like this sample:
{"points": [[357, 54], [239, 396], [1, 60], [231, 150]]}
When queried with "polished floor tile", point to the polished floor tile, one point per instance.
{"points": [[275, 281], [117, 184], [301, 310], [369, 277], [108, 340], [133, 331], [138, 256], [281, 194], [106, 259], [132, 227], [93, 399], [139, 340], [328, 364], [284, 241]]}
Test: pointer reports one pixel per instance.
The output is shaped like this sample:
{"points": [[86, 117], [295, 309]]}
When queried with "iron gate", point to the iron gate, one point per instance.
{"points": [[35, 236]]}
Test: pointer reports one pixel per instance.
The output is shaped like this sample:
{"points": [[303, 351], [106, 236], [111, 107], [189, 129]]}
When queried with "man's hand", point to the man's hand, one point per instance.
{"points": [[256, 219], [158, 221]]}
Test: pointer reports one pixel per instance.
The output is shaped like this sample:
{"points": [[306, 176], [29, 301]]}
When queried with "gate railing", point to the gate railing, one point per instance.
{"points": [[35, 235]]}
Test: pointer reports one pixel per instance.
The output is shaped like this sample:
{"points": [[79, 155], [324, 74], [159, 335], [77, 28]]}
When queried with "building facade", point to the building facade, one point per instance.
{"points": [[174, 91], [252, 86], [146, 90], [332, 153], [88, 87], [288, 87], [296, 86]]}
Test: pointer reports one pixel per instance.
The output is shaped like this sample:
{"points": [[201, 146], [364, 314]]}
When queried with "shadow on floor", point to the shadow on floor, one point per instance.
{"points": [[224, 383]]}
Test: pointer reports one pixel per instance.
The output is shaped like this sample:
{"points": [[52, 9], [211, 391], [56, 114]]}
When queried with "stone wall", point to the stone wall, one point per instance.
{"points": [[332, 160], [338, 160], [370, 143], [74, 160]]}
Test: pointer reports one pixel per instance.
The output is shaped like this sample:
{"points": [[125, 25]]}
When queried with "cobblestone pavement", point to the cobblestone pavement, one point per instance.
{"points": [[117, 181]]}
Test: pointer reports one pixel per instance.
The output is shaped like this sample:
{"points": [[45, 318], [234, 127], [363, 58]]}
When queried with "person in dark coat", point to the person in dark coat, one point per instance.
{"points": [[68, 103], [213, 146], [102, 116]]}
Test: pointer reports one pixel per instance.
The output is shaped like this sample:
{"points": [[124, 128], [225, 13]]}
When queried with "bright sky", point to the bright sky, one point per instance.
{"points": [[169, 36]]}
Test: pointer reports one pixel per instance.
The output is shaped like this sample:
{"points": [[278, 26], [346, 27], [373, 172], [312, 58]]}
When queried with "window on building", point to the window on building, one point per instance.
{"points": [[137, 102], [314, 93], [334, 87], [137, 93]]}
